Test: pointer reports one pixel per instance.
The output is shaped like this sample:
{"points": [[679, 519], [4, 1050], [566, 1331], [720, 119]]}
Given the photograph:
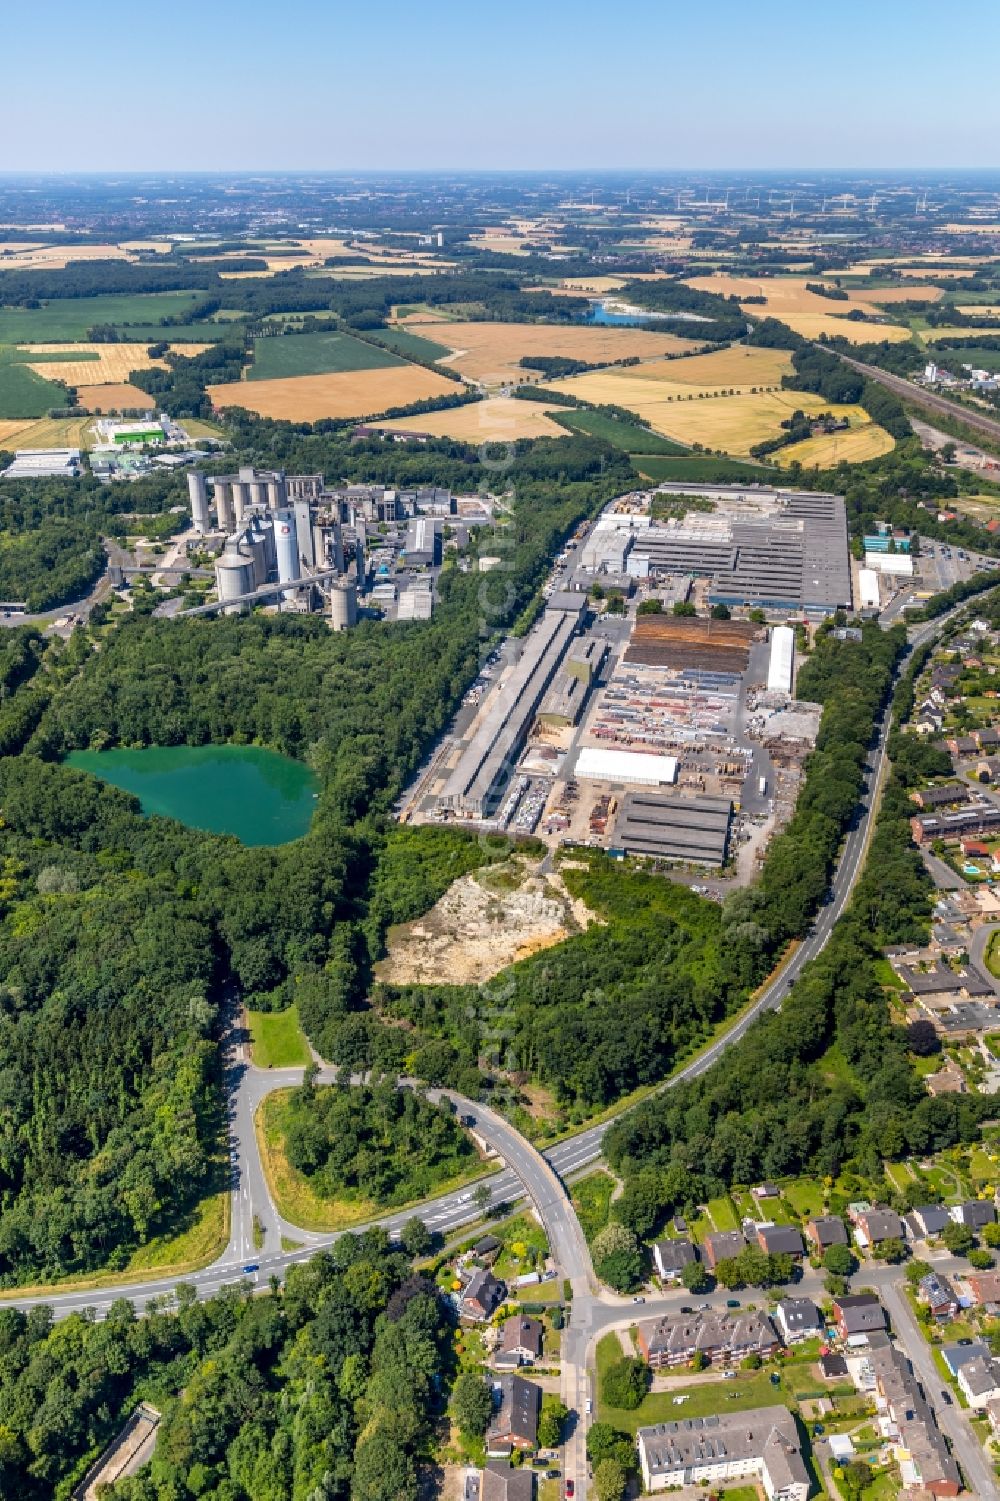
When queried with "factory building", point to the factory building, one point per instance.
{"points": [[868, 589], [599, 763], [44, 463], [899, 564], [691, 829], [423, 543], [477, 781], [781, 661], [779, 550]]}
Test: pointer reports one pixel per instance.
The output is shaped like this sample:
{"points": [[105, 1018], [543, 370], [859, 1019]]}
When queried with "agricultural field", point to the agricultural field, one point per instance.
{"points": [[623, 435], [68, 318], [48, 432], [980, 309], [497, 419], [934, 335], [701, 469], [98, 364], [734, 424], [862, 442], [24, 394], [490, 352], [740, 368], [307, 398], [280, 356], [113, 398], [806, 312], [410, 346]]}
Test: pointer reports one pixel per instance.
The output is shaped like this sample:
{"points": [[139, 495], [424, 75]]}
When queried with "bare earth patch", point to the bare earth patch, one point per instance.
{"points": [[478, 928]]}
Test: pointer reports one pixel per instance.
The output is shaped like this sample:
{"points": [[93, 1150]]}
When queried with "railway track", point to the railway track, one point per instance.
{"points": [[929, 399]]}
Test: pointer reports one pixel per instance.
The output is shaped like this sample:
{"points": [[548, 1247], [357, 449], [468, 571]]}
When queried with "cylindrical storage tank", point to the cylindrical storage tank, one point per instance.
{"points": [[258, 553], [241, 496], [223, 492], [233, 577], [264, 527], [277, 493], [343, 605], [286, 545], [198, 494], [258, 493]]}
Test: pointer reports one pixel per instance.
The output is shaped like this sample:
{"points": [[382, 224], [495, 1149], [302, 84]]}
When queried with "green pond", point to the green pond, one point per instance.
{"points": [[258, 795]]}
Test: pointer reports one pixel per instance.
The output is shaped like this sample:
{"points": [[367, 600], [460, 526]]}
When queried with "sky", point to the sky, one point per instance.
{"points": [[555, 84]]}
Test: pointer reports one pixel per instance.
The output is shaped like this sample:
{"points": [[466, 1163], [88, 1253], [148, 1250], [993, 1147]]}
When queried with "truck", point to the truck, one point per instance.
{"points": [[762, 786]]}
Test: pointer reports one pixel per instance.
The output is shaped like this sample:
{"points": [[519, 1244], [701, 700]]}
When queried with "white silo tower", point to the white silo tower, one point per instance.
{"points": [[198, 494], [343, 605], [287, 548], [223, 492], [241, 499], [263, 525], [234, 576]]}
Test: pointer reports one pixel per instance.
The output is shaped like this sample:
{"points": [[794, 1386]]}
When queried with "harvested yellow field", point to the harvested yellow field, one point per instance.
{"points": [[932, 335], [112, 365], [350, 393], [739, 368], [490, 352], [806, 312], [973, 229], [866, 441], [949, 273], [497, 419], [48, 432], [113, 398], [981, 310], [886, 296]]}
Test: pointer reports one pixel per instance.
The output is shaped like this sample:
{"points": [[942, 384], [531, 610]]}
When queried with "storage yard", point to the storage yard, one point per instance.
{"points": [[671, 736]]}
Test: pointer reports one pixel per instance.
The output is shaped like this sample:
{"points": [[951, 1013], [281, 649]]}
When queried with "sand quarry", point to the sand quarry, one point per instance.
{"points": [[482, 924]]}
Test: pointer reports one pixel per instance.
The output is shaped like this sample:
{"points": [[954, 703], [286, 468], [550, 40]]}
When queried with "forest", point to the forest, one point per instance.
{"points": [[120, 934], [327, 1387]]}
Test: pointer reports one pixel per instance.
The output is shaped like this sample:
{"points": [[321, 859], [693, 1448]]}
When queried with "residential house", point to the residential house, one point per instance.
{"points": [[826, 1230], [975, 1213], [676, 1337], [723, 1244], [798, 1318], [780, 1240], [762, 1443], [487, 1249], [939, 1295], [766, 1191], [670, 1257], [985, 1288], [877, 1225], [858, 1315], [501, 1482], [515, 1420], [905, 1418], [974, 849], [482, 1296], [941, 796], [520, 1341], [833, 1367], [930, 1219], [979, 1379], [956, 1356]]}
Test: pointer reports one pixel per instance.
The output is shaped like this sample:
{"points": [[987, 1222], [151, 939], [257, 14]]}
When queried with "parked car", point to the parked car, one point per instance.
{"points": [[638, 1299], [946, 1398], [732, 1302], [570, 1488]]}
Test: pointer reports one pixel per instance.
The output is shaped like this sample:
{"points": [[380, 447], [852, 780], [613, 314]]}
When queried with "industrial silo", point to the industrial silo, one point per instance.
{"points": [[343, 605], [286, 546], [263, 525], [198, 494], [241, 499], [234, 575], [258, 493], [277, 491], [223, 492], [253, 543]]}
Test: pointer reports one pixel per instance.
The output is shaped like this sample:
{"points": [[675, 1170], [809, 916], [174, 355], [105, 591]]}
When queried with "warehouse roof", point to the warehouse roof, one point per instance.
{"points": [[693, 829], [602, 764]]}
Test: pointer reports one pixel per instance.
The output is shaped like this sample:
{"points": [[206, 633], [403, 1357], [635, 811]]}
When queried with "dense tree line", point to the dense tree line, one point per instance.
{"points": [[824, 373], [328, 1387]]}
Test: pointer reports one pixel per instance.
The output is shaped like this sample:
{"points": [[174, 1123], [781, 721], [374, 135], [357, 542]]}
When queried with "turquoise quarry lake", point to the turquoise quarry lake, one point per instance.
{"points": [[258, 795]]}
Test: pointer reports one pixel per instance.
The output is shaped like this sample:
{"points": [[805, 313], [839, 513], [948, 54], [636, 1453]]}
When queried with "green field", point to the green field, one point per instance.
{"points": [[624, 435], [410, 346], [285, 355], [702, 469], [592, 1201], [980, 359], [182, 333], [25, 394], [277, 1039], [67, 318]]}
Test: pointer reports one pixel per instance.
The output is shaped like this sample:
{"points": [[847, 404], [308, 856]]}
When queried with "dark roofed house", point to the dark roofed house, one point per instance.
{"points": [[780, 1240], [482, 1296], [677, 1337], [975, 1213], [501, 1482], [765, 1191], [939, 1295], [878, 1224], [859, 1314], [515, 1421], [798, 1318], [520, 1341], [670, 1257], [723, 1244], [931, 1218], [833, 1367], [826, 1230], [487, 1249]]}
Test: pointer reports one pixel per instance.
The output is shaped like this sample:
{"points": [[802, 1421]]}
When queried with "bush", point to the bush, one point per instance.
{"points": [[981, 1260], [625, 1383]]}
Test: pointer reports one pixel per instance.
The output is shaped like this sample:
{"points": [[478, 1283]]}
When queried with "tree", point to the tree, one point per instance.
{"points": [[699, 1361], [892, 1250], [721, 612], [981, 1260], [922, 1038], [959, 1239], [415, 1238], [695, 1277], [625, 1383], [472, 1403], [482, 1195], [617, 1258], [610, 1479], [752, 1362], [917, 1270], [683, 607], [991, 1235], [605, 1441], [840, 1260], [550, 1422]]}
